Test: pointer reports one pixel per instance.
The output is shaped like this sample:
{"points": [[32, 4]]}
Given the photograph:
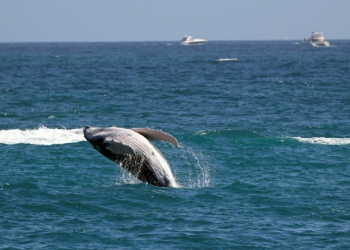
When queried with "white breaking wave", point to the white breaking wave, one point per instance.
{"points": [[227, 59], [41, 136], [324, 141]]}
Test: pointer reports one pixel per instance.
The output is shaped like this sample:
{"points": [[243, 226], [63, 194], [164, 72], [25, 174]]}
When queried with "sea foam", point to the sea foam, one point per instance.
{"points": [[324, 141], [41, 136]]}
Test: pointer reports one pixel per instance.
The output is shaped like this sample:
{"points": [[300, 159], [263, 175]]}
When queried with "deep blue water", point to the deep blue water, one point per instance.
{"points": [[264, 137]]}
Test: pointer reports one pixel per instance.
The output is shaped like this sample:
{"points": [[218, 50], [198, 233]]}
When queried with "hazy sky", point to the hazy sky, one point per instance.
{"points": [[168, 20]]}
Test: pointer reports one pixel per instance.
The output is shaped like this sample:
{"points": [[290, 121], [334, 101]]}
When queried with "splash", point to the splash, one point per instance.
{"points": [[190, 168], [41, 136], [324, 141], [125, 178]]}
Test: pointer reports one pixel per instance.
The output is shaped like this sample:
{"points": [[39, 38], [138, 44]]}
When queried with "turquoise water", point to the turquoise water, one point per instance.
{"points": [[264, 138]]}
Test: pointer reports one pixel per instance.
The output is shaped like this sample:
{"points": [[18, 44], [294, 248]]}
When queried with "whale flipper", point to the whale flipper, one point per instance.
{"points": [[156, 135], [118, 147]]}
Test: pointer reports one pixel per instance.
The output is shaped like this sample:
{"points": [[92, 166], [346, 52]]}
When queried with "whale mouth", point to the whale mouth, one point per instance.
{"points": [[87, 127], [92, 133], [88, 134]]}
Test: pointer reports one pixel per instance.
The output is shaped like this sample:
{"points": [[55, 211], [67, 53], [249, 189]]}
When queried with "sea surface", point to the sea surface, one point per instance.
{"points": [[263, 157]]}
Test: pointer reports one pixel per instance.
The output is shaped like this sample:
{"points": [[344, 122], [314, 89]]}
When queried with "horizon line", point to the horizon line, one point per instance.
{"points": [[228, 40]]}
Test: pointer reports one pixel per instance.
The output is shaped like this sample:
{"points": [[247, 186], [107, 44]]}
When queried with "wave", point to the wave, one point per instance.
{"points": [[252, 134], [324, 140], [227, 132], [226, 59], [41, 136]]}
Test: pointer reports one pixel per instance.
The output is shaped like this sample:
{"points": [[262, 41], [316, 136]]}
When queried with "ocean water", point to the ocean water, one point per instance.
{"points": [[263, 161]]}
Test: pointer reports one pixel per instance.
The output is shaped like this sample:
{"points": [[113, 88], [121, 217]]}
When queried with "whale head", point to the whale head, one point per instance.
{"points": [[90, 134], [95, 136]]}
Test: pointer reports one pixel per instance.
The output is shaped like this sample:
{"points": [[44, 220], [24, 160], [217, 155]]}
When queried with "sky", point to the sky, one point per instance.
{"points": [[169, 20]]}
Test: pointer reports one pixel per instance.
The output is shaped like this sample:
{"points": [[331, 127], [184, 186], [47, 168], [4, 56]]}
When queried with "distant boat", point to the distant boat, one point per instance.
{"points": [[189, 40], [316, 40]]}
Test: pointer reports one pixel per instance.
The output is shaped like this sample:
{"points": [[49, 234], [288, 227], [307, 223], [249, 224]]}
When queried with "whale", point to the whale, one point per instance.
{"points": [[133, 151]]}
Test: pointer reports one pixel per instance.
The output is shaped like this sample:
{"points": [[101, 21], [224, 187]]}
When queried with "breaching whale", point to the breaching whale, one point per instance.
{"points": [[133, 151]]}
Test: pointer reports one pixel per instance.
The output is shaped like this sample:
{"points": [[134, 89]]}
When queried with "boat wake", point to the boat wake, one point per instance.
{"points": [[226, 59], [41, 136]]}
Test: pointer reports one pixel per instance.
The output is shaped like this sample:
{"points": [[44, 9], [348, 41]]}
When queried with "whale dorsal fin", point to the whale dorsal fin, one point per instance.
{"points": [[118, 147], [156, 135]]}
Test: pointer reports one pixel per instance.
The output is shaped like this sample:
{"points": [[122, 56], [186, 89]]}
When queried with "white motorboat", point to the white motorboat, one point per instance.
{"points": [[189, 40], [316, 40]]}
